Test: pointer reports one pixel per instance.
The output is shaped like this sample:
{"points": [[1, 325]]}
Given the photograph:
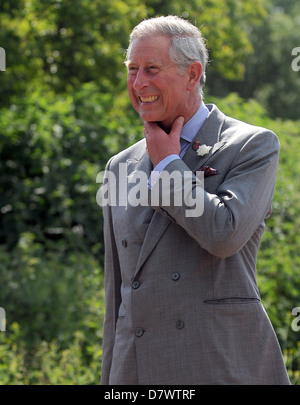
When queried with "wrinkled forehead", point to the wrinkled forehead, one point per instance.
{"points": [[154, 48]]}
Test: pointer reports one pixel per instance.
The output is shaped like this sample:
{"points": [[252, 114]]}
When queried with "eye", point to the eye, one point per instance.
{"points": [[152, 69], [132, 69]]}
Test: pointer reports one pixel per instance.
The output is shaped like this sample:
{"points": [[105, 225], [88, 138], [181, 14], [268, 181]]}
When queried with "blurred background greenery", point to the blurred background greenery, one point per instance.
{"points": [[64, 111]]}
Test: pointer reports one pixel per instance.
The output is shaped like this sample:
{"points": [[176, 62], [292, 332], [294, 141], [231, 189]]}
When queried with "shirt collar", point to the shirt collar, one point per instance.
{"points": [[190, 129]]}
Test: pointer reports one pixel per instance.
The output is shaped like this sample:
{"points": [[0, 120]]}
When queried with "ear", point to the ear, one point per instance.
{"points": [[195, 71]]}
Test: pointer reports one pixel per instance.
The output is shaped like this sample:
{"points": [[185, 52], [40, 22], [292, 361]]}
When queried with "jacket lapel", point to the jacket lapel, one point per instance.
{"points": [[209, 134], [155, 231], [138, 171]]}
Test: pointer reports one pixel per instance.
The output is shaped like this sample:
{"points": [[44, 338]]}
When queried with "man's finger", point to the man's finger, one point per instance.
{"points": [[177, 126], [150, 128]]}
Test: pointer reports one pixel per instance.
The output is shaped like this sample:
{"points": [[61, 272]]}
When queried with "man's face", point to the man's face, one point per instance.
{"points": [[156, 90]]}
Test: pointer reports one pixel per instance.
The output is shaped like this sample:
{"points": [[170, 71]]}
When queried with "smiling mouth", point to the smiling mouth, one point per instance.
{"points": [[148, 100]]}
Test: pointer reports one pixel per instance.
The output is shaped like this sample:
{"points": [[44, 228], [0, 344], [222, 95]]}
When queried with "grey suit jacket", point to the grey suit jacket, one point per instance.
{"points": [[182, 302]]}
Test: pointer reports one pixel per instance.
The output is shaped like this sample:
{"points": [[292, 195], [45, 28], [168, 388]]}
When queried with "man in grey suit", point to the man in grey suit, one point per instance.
{"points": [[182, 302]]}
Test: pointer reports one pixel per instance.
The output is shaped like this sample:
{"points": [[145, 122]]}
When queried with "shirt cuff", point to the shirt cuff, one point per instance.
{"points": [[159, 168]]}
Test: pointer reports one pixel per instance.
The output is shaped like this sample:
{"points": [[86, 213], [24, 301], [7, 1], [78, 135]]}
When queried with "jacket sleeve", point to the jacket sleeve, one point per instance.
{"points": [[112, 281], [242, 201]]}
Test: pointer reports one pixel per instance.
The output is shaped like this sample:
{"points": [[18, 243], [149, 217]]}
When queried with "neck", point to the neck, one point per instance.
{"points": [[190, 112]]}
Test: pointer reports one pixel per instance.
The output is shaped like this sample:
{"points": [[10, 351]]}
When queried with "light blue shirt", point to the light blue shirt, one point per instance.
{"points": [[188, 132]]}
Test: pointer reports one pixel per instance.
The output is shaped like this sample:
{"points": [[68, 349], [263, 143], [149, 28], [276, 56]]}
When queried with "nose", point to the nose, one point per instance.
{"points": [[141, 80]]}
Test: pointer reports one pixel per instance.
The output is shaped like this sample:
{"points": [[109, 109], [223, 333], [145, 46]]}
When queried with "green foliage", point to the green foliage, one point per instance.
{"points": [[54, 313], [49, 161], [268, 75]]}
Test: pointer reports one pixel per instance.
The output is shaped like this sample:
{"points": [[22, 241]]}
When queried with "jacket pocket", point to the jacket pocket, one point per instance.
{"points": [[233, 300]]}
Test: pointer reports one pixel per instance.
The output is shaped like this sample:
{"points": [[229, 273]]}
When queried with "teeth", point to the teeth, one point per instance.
{"points": [[148, 99]]}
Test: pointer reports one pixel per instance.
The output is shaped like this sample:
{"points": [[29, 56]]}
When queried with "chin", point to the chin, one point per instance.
{"points": [[150, 117]]}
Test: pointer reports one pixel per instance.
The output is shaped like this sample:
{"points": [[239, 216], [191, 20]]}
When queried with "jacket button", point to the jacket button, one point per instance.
{"points": [[179, 324], [139, 332], [175, 276], [136, 284], [124, 243]]}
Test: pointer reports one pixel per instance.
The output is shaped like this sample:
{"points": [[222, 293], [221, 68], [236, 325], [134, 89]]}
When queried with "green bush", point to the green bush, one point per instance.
{"points": [[54, 303]]}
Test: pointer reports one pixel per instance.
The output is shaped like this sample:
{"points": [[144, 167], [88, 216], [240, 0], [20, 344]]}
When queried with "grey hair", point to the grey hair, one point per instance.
{"points": [[186, 42]]}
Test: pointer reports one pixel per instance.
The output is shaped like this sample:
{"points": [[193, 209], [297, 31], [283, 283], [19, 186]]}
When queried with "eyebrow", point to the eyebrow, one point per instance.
{"points": [[148, 62]]}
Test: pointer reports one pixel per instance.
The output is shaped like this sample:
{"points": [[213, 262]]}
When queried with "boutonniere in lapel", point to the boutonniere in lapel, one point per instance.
{"points": [[201, 150]]}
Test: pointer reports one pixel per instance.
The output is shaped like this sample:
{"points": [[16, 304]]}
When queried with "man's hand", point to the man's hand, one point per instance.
{"points": [[159, 143]]}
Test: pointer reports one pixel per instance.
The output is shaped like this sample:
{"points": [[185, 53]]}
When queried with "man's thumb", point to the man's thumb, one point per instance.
{"points": [[177, 125]]}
